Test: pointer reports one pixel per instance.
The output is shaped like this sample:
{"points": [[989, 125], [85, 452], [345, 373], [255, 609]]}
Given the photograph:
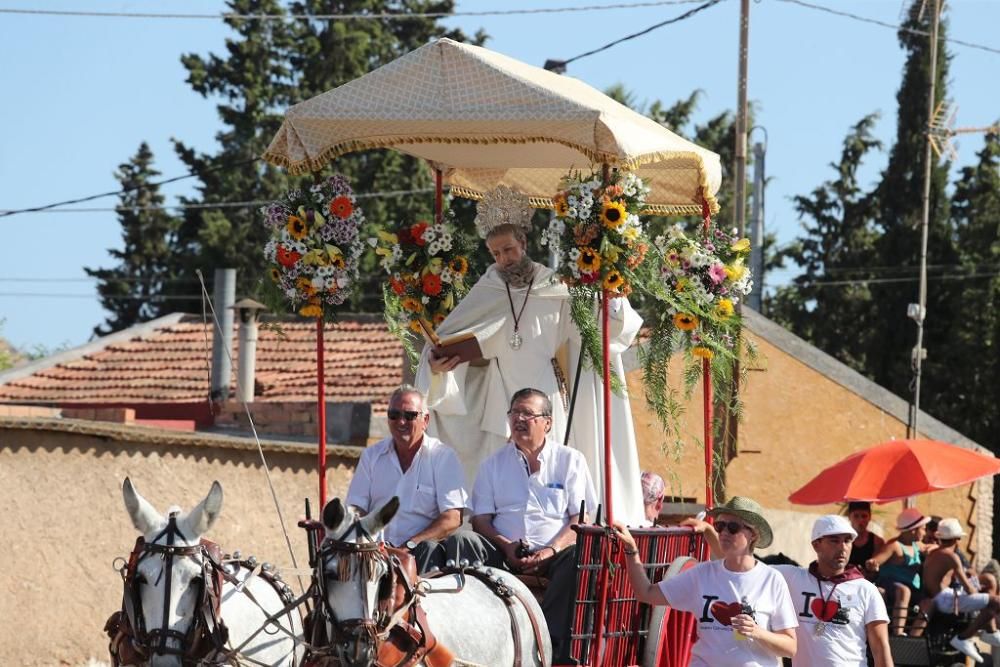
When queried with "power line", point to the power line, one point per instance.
{"points": [[886, 24], [208, 170], [378, 16], [386, 194], [676, 19], [56, 295], [883, 281]]}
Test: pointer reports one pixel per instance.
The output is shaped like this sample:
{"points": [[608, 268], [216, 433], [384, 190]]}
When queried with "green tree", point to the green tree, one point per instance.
{"points": [[838, 247], [131, 291]]}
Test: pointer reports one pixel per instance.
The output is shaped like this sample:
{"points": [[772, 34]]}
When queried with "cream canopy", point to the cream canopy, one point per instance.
{"points": [[486, 119]]}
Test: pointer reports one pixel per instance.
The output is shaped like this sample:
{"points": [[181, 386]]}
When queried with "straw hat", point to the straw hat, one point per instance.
{"points": [[751, 513]]}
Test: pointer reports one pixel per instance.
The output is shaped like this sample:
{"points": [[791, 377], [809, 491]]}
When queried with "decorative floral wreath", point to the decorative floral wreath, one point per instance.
{"points": [[314, 249], [703, 279], [600, 244], [428, 270]]}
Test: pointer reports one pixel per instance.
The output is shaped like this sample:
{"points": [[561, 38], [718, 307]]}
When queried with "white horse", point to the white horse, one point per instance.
{"points": [[373, 607], [184, 605]]}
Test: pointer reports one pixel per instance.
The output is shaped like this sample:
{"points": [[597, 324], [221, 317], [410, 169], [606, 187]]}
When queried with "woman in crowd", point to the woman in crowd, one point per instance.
{"points": [[744, 612]]}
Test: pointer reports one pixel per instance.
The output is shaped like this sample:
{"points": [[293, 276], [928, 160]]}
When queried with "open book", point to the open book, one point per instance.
{"points": [[464, 346]]}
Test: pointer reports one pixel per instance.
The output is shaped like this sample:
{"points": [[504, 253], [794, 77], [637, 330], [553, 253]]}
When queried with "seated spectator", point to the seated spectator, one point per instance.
{"points": [[898, 566], [946, 582], [742, 607], [867, 544], [652, 497], [526, 497], [423, 472], [930, 531]]}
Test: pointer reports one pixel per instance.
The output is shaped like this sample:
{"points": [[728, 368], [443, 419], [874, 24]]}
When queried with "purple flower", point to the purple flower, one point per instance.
{"points": [[717, 273], [709, 246]]}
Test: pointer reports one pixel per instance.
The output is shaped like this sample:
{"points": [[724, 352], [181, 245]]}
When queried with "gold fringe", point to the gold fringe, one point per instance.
{"points": [[362, 563]]}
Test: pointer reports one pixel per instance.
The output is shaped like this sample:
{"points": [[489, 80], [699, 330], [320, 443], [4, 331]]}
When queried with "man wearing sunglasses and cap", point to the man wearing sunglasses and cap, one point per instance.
{"points": [[424, 473], [839, 610]]}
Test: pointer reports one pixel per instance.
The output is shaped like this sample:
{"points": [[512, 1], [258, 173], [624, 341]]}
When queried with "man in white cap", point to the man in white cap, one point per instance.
{"points": [[839, 611], [946, 581]]}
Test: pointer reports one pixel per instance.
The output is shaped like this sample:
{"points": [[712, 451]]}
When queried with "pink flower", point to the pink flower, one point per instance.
{"points": [[717, 273]]}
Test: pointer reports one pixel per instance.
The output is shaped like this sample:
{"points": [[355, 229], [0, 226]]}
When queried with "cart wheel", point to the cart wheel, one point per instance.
{"points": [[655, 641]]}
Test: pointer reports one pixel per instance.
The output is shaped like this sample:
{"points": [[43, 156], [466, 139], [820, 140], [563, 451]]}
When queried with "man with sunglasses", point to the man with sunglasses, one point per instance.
{"points": [[840, 612], [424, 473], [526, 498]]}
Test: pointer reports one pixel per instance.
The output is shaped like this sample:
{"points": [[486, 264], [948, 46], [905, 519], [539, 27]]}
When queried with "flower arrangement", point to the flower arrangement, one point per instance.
{"points": [[428, 269], [703, 279], [314, 248], [600, 244], [596, 232]]}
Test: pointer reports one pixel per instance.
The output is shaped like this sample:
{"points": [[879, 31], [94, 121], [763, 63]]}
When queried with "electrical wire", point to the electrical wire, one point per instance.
{"points": [[886, 24], [378, 16]]}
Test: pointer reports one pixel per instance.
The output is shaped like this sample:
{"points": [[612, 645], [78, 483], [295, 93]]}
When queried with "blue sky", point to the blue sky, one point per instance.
{"points": [[82, 93]]}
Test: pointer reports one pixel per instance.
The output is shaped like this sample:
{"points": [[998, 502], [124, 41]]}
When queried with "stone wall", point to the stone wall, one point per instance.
{"points": [[64, 523]]}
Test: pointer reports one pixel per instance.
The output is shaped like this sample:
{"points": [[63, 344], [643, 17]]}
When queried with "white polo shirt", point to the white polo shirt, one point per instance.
{"points": [[432, 484], [533, 507]]}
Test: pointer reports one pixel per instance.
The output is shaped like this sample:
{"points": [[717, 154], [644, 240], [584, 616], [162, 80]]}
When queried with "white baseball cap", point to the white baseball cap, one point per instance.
{"points": [[832, 524], [949, 529]]}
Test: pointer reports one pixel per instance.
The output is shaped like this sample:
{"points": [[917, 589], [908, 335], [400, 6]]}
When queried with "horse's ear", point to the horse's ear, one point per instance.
{"points": [[197, 522], [376, 521], [333, 514], [144, 516]]}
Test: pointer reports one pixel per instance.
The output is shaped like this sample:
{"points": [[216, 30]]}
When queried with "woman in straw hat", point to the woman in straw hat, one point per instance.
{"points": [[745, 614]]}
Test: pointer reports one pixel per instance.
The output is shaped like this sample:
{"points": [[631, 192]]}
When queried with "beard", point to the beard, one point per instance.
{"points": [[520, 274]]}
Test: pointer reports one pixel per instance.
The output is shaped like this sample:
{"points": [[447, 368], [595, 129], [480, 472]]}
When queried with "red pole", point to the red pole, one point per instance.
{"points": [[321, 410], [438, 197], [706, 378]]}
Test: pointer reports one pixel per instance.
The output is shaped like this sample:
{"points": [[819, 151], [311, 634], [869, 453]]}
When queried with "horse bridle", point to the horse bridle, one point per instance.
{"points": [[150, 642]]}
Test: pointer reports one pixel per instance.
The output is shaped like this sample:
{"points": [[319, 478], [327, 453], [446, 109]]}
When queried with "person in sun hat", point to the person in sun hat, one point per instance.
{"points": [[898, 566], [744, 613], [953, 591], [840, 612]]}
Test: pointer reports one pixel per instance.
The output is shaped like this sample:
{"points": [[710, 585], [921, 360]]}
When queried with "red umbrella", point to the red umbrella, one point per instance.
{"points": [[895, 470]]}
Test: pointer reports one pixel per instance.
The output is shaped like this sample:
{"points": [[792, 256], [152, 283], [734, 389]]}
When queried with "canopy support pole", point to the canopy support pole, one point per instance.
{"points": [[706, 379], [438, 197], [321, 409]]}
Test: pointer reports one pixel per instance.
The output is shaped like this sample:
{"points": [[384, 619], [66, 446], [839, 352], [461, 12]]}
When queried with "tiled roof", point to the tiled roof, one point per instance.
{"points": [[169, 363]]}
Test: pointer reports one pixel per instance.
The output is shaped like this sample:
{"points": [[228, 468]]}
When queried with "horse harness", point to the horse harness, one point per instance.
{"points": [[131, 639], [402, 635]]}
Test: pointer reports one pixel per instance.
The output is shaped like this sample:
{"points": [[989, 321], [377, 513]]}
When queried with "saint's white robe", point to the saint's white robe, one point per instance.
{"points": [[469, 404]]}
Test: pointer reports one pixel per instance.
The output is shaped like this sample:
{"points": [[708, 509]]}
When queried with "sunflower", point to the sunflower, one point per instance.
{"points": [[588, 261], [412, 305], [685, 322], [432, 284], [312, 309], [305, 286], [613, 281], [275, 274], [415, 326], [337, 261], [341, 207], [724, 310], [459, 265], [613, 214], [702, 352], [297, 227], [561, 205]]}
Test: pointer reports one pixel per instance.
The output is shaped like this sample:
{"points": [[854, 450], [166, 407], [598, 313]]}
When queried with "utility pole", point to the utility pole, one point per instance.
{"points": [[918, 311], [740, 160], [755, 299]]}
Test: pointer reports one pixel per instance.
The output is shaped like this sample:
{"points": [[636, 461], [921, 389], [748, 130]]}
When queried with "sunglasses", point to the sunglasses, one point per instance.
{"points": [[409, 415], [732, 526]]}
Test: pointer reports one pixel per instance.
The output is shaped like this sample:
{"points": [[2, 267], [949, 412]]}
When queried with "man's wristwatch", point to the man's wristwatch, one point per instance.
{"points": [[410, 545]]}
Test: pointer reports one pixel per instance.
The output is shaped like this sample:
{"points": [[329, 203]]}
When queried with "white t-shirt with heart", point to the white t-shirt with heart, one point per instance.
{"points": [[845, 612], [714, 595]]}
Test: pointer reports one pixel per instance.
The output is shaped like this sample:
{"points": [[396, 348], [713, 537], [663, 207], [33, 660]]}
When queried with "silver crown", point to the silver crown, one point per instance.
{"points": [[502, 206]]}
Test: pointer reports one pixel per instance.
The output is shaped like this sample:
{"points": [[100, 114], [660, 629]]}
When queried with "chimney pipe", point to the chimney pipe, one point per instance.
{"points": [[224, 289], [248, 311]]}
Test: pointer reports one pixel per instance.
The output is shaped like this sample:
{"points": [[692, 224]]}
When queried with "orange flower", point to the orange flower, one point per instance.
{"points": [[415, 326], [297, 227], [432, 284], [287, 258], [613, 191], [459, 265], [417, 233], [412, 305], [561, 205], [702, 352], [397, 286], [312, 309], [613, 281], [275, 274], [341, 207], [685, 322], [305, 286]]}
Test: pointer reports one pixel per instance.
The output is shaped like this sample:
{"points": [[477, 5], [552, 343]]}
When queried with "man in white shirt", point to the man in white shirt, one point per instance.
{"points": [[526, 498], [840, 612], [424, 473]]}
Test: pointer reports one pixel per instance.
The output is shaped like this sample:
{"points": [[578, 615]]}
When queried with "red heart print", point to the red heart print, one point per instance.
{"points": [[824, 610], [724, 612]]}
